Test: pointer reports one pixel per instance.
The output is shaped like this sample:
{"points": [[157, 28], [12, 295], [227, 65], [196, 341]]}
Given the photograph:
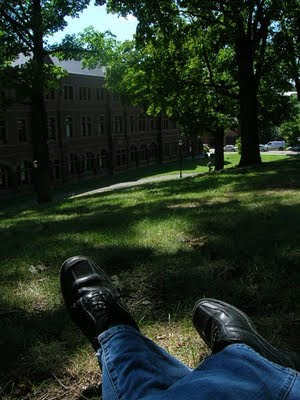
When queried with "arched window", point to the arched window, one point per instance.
{"points": [[74, 165], [153, 151], [142, 122], [83, 163], [133, 153], [56, 167], [90, 161], [121, 157], [102, 159], [142, 152], [24, 173], [4, 177]]}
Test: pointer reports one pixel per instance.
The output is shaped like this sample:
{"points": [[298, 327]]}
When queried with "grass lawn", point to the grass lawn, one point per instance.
{"points": [[234, 235], [189, 166]]}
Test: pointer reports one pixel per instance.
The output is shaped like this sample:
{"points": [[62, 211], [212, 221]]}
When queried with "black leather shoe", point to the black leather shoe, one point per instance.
{"points": [[220, 324], [91, 299]]}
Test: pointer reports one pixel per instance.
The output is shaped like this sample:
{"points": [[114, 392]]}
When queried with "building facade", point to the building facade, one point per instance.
{"points": [[90, 133]]}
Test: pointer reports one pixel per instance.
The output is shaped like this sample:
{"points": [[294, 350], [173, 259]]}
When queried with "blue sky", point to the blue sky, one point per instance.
{"points": [[97, 17]]}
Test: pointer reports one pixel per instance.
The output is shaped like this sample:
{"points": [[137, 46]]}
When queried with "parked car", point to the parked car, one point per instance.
{"points": [[275, 145], [230, 147], [263, 147]]}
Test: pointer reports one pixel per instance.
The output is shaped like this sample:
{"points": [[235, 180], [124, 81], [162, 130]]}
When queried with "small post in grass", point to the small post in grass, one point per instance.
{"points": [[180, 143]]}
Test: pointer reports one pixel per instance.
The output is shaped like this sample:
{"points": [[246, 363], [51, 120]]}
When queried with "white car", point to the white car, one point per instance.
{"points": [[275, 145], [230, 147]]}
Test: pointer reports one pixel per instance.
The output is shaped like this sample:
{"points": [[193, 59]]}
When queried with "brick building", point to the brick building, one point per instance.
{"points": [[90, 133]]}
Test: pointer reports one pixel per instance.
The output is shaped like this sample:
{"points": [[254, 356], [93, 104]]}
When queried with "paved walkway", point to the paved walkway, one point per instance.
{"points": [[123, 185]]}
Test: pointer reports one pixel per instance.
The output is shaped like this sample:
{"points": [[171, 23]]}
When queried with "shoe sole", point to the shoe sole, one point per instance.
{"points": [[258, 340]]}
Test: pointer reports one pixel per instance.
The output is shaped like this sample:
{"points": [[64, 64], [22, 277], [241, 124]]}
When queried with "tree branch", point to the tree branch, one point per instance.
{"points": [[263, 36], [222, 89], [250, 16], [211, 76], [205, 18], [17, 27]]}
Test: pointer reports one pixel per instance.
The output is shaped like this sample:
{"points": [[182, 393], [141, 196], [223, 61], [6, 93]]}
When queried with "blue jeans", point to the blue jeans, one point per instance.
{"points": [[133, 367]]}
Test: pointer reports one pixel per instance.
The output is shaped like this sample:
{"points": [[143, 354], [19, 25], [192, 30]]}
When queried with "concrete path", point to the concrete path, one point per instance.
{"points": [[123, 185]]}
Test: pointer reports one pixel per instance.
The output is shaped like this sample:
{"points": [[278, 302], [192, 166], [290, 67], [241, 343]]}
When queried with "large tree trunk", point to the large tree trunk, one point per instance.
{"points": [[248, 103], [219, 151], [41, 170]]}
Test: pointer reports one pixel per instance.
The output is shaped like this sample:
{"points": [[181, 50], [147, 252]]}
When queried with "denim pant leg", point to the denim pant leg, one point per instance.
{"points": [[134, 367], [237, 373]]}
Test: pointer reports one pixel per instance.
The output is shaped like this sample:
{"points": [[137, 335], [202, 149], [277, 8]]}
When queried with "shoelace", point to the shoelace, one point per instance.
{"points": [[100, 303]]}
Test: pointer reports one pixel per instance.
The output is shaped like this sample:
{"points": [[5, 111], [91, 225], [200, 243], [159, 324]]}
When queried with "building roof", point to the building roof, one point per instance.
{"points": [[71, 66], [76, 67]]}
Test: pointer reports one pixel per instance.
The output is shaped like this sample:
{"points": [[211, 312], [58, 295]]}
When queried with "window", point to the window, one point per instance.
{"points": [[100, 93], [2, 131], [133, 153], [51, 128], [100, 125], [50, 95], [121, 157], [153, 151], [86, 126], [68, 92], [115, 97], [24, 173], [83, 164], [117, 124], [90, 161], [4, 177], [73, 164], [142, 122], [69, 127], [174, 148], [131, 123], [84, 93], [55, 169], [102, 159], [22, 130], [143, 150]]}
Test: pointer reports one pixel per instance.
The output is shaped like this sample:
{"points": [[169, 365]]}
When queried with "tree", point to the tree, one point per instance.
{"points": [[24, 26], [247, 26], [171, 75]]}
